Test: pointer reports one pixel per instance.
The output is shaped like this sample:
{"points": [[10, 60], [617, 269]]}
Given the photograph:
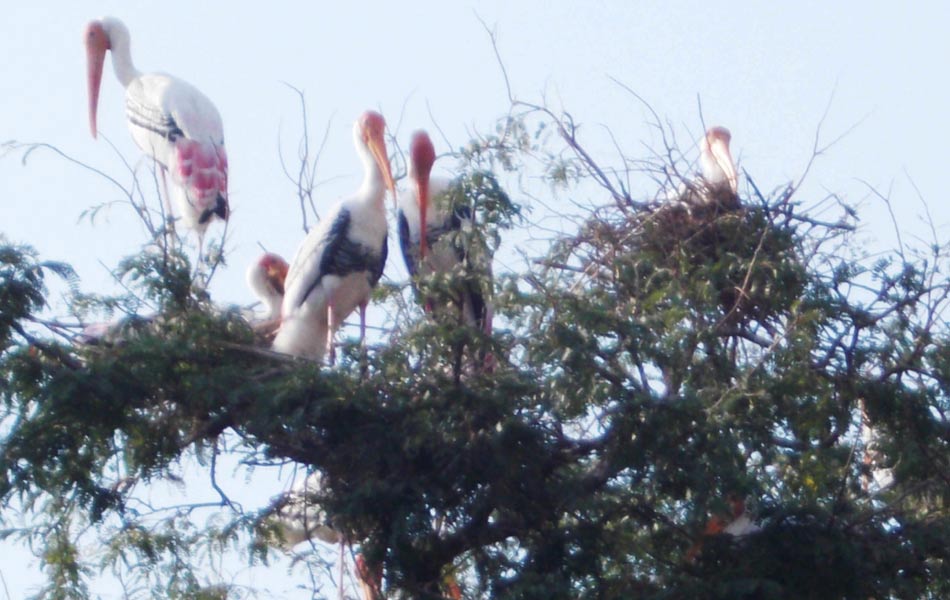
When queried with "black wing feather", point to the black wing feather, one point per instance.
{"points": [[477, 301], [342, 256], [152, 119], [380, 264], [406, 245]]}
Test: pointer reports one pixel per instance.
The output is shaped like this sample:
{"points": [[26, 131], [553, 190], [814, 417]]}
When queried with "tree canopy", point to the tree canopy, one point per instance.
{"points": [[661, 359]]}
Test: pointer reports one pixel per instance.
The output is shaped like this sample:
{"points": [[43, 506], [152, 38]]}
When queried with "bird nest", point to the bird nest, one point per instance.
{"points": [[713, 251]]}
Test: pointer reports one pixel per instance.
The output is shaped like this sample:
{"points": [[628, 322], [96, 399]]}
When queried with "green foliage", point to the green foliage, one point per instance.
{"points": [[22, 287], [655, 362]]}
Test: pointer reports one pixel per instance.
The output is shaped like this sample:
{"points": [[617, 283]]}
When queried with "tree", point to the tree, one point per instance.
{"points": [[664, 357]]}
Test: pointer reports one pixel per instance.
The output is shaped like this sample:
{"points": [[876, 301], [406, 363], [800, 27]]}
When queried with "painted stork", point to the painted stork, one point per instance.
{"points": [[426, 226], [297, 517], [171, 121], [715, 161], [342, 259], [266, 278], [739, 525]]}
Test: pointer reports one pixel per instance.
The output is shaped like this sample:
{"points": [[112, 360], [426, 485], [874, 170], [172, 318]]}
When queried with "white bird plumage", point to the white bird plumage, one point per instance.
{"points": [[715, 160], [875, 477], [738, 524], [298, 517], [442, 250], [171, 121], [266, 277], [342, 259]]}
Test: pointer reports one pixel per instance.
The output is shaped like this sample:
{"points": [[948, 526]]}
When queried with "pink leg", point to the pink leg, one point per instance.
{"points": [[371, 581], [364, 368], [201, 247], [169, 229], [331, 349], [165, 198], [166, 202], [342, 568]]}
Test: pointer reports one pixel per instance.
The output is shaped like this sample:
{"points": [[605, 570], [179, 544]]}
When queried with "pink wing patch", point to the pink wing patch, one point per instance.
{"points": [[202, 169]]}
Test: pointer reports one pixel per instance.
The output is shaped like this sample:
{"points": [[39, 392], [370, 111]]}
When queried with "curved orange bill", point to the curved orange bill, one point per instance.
{"points": [[422, 156], [277, 274], [96, 45], [377, 146], [720, 151]]}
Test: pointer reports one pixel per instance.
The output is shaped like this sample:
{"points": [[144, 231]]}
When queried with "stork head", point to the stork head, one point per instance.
{"points": [[372, 129], [716, 160], [421, 158], [97, 43], [275, 270], [266, 278], [107, 33]]}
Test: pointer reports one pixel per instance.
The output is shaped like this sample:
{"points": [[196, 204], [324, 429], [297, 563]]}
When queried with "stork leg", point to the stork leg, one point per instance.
{"points": [[342, 568], [363, 323], [371, 579], [166, 199], [331, 348], [364, 368], [169, 225], [201, 248], [452, 587]]}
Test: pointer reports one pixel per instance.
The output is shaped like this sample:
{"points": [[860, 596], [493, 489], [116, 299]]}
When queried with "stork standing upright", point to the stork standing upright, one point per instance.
{"points": [[426, 223], [341, 260], [171, 121], [715, 160]]}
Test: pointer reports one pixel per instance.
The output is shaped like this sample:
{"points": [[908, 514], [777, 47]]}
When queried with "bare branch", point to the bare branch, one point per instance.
{"points": [[501, 63]]}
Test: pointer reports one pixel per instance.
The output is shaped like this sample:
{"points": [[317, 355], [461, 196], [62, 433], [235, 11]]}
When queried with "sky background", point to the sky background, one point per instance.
{"points": [[767, 71]]}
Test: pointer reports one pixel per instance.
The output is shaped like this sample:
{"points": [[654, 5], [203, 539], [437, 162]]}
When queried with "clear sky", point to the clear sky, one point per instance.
{"points": [[765, 70]]}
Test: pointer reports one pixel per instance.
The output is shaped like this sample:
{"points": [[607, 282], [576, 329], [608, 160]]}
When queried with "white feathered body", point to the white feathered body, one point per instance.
{"points": [[445, 254], [179, 127], [325, 275]]}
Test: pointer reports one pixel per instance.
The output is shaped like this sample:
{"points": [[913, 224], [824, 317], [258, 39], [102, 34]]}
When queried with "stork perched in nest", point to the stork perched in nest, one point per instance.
{"points": [[341, 260], [738, 524], [429, 229], [266, 277]]}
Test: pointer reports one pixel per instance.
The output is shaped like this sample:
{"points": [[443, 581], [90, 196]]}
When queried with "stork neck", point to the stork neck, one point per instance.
{"points": [[125, 71], [373, 188], [273, 302], [710, 170]]}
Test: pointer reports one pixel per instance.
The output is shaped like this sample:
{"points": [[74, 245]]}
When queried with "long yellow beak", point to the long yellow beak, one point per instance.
{"points": [[422, 155], [377, 146], [97, 43], [720, 152]]}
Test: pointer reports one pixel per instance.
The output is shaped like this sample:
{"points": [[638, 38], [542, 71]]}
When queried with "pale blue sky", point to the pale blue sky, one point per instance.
{"points": [[766, 71]]}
